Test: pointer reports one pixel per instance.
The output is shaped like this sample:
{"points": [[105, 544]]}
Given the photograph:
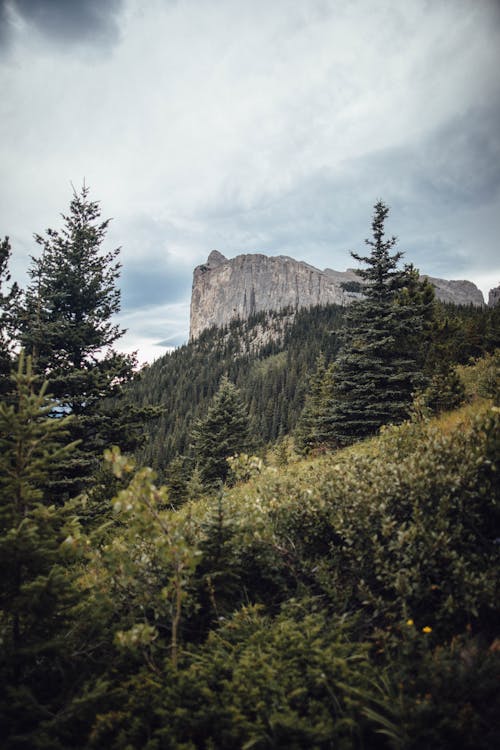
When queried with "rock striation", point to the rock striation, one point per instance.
{"points": [[225, 289], [494, 296]]}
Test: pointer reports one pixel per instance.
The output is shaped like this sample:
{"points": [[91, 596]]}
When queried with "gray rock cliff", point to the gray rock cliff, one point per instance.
{"points": [[494, 296], [238, 288]]}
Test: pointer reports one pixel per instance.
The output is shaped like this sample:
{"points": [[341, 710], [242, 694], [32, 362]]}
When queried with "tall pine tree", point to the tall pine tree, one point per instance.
{"points": [[310, 429], [375, 373], [224, 432], [67, 327], [40, 545]]}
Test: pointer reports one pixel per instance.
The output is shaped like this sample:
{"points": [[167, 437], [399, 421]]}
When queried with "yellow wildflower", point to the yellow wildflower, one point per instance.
{"points": [[427, 629], [410, 622]]}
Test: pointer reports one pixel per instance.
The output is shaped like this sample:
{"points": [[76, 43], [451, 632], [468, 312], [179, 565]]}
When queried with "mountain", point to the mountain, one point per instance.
{"points": [[494, 296], [225, 289]]}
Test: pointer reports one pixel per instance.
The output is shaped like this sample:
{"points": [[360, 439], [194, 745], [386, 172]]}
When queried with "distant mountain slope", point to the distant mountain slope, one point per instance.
{"points": [[226, 289], [269, 357]]}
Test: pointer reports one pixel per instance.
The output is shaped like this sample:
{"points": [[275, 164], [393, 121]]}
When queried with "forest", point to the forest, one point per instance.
{"points": [[258, 541]]}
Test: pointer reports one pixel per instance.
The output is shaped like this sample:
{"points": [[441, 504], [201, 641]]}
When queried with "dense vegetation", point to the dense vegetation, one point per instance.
{"points": [[345, 599], [65, 324], [274, 379]]}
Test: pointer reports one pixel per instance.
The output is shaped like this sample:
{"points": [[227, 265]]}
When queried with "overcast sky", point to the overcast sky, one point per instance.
{"points": [[252, 126]]}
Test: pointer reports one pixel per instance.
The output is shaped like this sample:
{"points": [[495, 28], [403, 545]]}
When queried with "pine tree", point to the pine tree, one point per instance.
{"points": [[67, 327], [39, 546], [219, 572], [443, 388], [177, 480], [419, 299], [194, 485], [375, 374], [312, 427], [8, 300], [224, 432]]}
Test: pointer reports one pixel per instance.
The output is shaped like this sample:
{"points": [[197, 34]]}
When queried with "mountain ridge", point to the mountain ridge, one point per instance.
{"points": [[224, 289]]}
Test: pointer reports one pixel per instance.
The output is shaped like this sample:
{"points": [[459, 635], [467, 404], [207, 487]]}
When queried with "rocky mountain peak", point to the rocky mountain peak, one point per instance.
{"points": [[215, 259], [494, 296], [224, 289]]}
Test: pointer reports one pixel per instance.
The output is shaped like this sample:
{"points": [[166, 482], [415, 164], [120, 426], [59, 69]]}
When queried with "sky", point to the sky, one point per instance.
{"points": [[251, 126]]}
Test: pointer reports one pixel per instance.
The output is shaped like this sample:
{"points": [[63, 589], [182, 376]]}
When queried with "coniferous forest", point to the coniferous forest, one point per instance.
{"points": [[284, 534]]}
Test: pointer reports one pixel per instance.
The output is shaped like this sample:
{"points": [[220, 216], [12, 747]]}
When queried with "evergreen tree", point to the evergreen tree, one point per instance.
{"points": [[8, 301], [445, 390], [224, 432], [39, 546], [418, 297], [67, 327], [177, 481], [375, 374], [219, 572], [310, 430], [194, 485]]}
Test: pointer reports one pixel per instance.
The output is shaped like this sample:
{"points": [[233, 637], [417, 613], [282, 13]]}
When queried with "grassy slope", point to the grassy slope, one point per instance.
{"points": [[347, 600]]}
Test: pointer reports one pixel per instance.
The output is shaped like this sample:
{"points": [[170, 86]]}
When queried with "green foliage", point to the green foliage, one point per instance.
{"points": [[451, 700], [375, 373], [177, 479], [40, 545], [194, 486], [285, 682], [8, 300], [312, 429], [348, 601], [271, 378], [224, 432], [409, 521], [146, 566], [445, 390], [219, 574], [482, 377], [352, 286], [67, 327]]}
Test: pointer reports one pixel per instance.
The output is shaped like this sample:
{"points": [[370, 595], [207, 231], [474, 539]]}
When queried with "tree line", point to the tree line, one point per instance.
{"points": [[286, 611], [331, 375], [328, 375]]}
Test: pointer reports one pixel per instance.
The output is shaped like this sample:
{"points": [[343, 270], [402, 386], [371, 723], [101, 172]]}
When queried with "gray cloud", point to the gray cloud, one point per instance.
{"points": [[152, 285], [443, 189], [252, 127], [5, 27], [64, 21]]}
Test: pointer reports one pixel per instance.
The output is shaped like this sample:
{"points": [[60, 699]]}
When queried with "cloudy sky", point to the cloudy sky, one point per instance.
{"points": [[252, 126]]}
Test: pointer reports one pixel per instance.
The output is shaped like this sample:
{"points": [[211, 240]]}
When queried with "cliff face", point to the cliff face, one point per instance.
{"points": [[225, 289], [494, 296]]}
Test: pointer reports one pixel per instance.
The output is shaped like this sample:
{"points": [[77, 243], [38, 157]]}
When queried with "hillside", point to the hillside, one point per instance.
{"points": [[271, 371], [350, 600], [344, 600], [270, 358]]}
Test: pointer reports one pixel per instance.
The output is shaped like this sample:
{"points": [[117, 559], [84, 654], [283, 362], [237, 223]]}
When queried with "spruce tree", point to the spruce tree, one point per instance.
{"points": [[8, 300], [176, 479], [194, 486], [375, 373], [40, 545], [310, 431], [418, 298], [224, 432], [67, 327]]}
